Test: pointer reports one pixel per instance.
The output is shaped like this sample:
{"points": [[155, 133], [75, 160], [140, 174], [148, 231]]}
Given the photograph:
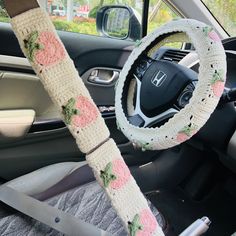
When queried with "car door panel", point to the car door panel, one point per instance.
{"points": [[40, 149], [48, 140], [21, 91]]}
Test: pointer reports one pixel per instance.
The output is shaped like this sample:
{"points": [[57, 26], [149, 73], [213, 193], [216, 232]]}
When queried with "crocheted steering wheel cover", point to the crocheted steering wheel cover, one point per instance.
{"points": [[210, 86]]}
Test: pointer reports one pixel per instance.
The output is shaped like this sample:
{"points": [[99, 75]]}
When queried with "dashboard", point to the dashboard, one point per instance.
{"points": [[222, 124], [231, 68], [219, 133]]}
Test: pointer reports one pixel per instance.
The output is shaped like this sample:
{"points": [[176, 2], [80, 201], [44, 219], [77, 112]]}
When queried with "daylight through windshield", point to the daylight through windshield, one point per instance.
{"points": [[224, 12]]}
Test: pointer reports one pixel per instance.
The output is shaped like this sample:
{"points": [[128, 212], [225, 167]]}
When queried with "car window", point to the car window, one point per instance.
{"points": [[224, 12], [80, 15], [76, 15], [3, 14], [159, 14]]}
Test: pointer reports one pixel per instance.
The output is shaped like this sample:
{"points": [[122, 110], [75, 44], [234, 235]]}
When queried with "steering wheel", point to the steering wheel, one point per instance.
{"points": [[41, 45], [151, 91]]}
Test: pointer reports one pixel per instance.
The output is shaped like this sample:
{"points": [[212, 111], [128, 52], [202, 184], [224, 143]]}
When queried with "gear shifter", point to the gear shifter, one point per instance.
{"points": [[197, 228]]}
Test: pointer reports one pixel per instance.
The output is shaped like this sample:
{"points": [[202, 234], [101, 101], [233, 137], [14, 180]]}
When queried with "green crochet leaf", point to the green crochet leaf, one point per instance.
{"points": [[69, 111], [143, 146], [207, 30], [31, 45], [134, 226], [33, 37], [218, 76], [107, 176], [138, 43], [188, 130]]}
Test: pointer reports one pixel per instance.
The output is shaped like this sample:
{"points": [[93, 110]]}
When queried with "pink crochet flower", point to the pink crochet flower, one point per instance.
{"points": [[87, 112], [148, 223], [218, 88], [122, 173], [143, 224], [186, 133], [51, 50], [214, 36], [182, 137], [211, 33], [116, 174], [217, 83]]}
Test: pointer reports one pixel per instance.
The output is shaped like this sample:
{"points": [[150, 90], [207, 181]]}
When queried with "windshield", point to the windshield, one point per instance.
{"points": [[224, 12]]}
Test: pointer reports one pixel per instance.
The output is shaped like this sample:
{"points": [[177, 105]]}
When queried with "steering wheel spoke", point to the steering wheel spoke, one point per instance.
{"points": [[137, 107], [139, 119]]}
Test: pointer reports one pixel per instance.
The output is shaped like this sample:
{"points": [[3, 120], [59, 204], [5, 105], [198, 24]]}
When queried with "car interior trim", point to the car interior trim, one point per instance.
{"points": [[14, 62]]}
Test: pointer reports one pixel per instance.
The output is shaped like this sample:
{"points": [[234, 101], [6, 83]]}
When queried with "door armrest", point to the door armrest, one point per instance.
{"points": [[15, 124]]}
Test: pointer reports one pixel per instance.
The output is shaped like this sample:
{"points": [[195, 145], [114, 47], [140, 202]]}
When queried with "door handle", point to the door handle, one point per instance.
{"points": [[103, 76]]}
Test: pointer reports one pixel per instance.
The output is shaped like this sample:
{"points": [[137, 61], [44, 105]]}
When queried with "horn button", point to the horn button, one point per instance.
{"points": [[162, 83]]}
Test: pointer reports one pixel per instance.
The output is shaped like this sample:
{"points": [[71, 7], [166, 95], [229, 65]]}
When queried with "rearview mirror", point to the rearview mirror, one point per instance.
{"points": [[119, 22]]}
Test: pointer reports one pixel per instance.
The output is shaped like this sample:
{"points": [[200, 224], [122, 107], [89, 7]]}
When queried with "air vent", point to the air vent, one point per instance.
{"points": [[174, 55]]}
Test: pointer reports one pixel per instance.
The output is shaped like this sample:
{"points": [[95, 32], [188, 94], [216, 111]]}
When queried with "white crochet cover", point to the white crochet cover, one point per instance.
{"points": [[210, 86], [49, 59]]}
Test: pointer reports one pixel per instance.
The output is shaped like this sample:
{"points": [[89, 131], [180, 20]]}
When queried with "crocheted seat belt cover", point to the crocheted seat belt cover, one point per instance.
{"points": [[49, 59]]}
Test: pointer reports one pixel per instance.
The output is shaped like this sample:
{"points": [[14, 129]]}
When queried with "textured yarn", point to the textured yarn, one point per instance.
{"points": [[209, 88], [48, 57]]}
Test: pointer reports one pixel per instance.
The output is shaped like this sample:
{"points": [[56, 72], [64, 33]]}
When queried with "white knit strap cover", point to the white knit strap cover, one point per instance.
{"points": [[49, 59]]}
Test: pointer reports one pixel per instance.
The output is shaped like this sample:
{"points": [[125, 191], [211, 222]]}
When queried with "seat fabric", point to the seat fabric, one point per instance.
{"points": [[88, 202]]}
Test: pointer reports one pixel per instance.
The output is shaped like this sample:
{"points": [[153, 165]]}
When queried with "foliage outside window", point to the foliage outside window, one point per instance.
{"points": [[76, 15], [3, 14], [80, 15], [224, 12], [159, 14]]}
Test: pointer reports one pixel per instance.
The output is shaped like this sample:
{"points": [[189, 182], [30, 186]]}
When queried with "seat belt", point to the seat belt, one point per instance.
{"points": [[48, 215]]}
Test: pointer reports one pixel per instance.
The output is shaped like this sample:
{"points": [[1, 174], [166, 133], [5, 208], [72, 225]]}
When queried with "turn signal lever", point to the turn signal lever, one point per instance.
{"points": [[197, 228]]}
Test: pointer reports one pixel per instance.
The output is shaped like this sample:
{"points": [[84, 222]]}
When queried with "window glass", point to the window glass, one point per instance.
{"points": [[80, 15], [76, 15], [224, 12], [3, 14], [159, 14]]}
